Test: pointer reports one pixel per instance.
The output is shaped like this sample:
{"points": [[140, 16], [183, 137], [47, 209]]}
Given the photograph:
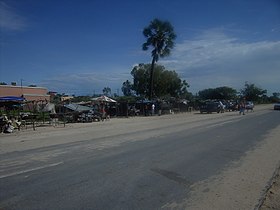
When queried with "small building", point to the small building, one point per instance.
{"points": [[66, 98], [29, 93]]}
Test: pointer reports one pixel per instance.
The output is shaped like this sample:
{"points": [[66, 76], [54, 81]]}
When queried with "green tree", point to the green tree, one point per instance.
{"points": [[275, 97], [252, 93], [166, 83], [222, 93], [106, 91], [206, 94], [127, 88], [160, 36], [226, 93], [140, 76]]}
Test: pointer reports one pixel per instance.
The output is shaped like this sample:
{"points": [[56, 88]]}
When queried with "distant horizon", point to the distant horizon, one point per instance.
{"points": [[80, 47]]}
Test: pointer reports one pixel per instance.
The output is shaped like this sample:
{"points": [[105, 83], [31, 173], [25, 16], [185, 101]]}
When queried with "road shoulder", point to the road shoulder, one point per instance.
{"points": [[271, 198], [242, 185]]}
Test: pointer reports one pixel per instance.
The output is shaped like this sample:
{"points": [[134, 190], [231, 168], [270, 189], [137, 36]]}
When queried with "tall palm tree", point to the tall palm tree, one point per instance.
{"points": [[160, 35]]}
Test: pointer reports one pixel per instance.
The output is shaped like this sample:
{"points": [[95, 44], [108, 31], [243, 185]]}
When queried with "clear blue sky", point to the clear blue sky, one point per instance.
{"points": [[81, 46]]}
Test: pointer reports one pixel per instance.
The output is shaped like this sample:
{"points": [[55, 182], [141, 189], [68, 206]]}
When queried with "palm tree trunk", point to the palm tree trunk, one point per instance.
{"points": [[151, 90]]}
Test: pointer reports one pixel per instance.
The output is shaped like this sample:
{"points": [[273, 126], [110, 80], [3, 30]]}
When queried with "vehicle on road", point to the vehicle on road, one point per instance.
{"points": [[211, 106], [277, 106]]}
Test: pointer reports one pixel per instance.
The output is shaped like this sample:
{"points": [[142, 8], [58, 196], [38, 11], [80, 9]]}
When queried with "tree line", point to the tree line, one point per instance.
{"points": [[167, 84]]}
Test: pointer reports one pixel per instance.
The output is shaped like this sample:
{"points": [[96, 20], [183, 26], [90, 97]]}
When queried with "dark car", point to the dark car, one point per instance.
{"points": [[277, 106], [210, 107]]}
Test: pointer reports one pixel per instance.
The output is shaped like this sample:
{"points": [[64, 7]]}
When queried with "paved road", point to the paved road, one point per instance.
{"points": [[135, 164]]}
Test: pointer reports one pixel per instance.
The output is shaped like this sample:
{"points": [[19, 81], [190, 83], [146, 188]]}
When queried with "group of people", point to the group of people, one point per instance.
{"points": [[8, 125], [243, 105], [151, 108]]}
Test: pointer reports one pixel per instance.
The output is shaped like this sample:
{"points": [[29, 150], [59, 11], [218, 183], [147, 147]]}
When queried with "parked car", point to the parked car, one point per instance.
{"points": [[210, 107], [277, 106], [249, 105], [230, 105]]}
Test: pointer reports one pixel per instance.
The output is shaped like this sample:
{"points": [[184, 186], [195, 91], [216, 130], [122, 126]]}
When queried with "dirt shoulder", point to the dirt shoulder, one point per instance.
{"points": [[271, 199]]}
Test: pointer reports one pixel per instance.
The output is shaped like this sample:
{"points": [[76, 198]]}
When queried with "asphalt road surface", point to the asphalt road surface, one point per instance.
{"points": [[160, 162]]}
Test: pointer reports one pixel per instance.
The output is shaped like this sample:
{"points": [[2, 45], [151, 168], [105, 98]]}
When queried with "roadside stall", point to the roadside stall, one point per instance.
{"points": [[106, 106], [80, 113]]}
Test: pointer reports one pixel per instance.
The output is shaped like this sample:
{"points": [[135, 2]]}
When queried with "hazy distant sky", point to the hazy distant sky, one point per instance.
{"points": [[81, 46]]}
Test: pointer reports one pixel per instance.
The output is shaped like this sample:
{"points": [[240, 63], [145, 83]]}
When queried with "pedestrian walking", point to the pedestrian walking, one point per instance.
{"points": [[242, 108]]}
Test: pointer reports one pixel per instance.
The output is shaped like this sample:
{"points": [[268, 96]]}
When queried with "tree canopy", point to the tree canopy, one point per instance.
{"points": [[253, 93], [106, 91], [222, 93], [166, 83], [127, 88]]}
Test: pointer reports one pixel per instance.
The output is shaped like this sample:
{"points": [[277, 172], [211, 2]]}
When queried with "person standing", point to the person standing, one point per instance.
{"points": [[242, 107], [146, 110], [153, 109]]}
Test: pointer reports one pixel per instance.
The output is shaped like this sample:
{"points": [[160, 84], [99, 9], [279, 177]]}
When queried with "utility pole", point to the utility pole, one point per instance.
{"points": [[21, 87]]}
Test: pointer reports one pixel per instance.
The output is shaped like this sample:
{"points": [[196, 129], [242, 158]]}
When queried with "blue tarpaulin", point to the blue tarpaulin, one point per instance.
{"points": [[11, 98]]}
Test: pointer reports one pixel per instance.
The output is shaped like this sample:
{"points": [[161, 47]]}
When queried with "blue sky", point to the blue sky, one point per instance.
{"points": [[81, 46]]}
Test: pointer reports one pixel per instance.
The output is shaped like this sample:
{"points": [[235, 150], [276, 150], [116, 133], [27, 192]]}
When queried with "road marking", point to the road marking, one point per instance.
{"points": [[29, 170], [219, 124]]}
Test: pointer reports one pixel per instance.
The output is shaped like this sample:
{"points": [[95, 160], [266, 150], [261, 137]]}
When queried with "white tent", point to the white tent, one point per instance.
{"points": [[104, 99], [77, 107]]}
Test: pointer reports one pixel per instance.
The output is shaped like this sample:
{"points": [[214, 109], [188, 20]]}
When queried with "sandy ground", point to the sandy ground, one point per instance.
{"points": [[231, 186]]}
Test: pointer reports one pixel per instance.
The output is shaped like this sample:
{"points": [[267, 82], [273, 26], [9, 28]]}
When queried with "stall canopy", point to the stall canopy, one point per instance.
{"points": [[104, 99], [11, 102], [77, 107], [11, 98]]}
